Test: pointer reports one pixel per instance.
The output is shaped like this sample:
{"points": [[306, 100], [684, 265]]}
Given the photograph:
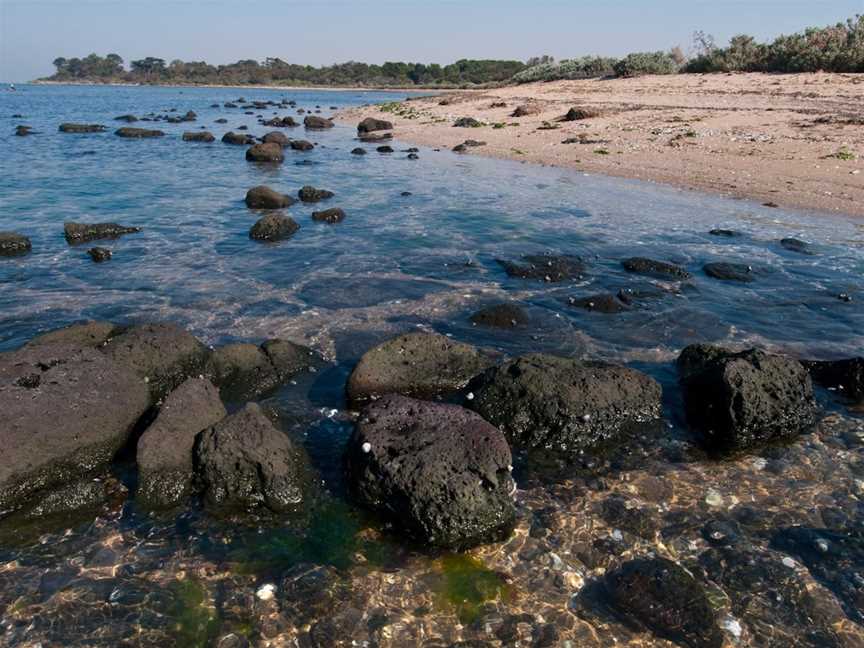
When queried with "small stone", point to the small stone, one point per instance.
{"points": [[266, 592], [367, 447], [713, 498]]}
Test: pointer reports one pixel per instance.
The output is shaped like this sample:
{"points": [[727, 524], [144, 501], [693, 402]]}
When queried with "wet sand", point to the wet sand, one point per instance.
{"points": [[791, 140]]}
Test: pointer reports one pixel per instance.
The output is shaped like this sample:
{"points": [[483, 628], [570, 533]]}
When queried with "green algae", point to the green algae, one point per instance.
{"points": [[195, 620], [466, 584]]}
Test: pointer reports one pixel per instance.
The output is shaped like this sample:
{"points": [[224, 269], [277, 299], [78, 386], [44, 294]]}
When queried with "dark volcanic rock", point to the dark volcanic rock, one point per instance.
{"points": [[12, 244], [65, 412], [844, 376], [126, 118], [384, 149], [741, 400], [543, 401], [285, 122], [270, 152], [310, 194], [467, 122], [237, 138], [165, 450], [221, 120], [301, 145], [424, 365], [273, 227], [23, 131], [334, 215], [545, 267], [795, 245], [244, 462], [501, 316], [660, 595], [84, 232], [724, 232], [358, 151], [87, 334], [317, 123], [440, 472], [202, 136], [245, 371], [730, 272], [82, 128], [162, 354], [137, 133], [653, 268], [276, 138], [262, 197], [99, 254], [602, 303], [371, 124]]}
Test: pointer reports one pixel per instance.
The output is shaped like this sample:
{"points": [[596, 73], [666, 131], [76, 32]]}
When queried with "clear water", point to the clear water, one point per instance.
{"points": [[396, 263]]}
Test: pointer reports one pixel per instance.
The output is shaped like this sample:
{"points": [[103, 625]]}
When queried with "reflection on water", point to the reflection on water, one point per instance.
{"points": [[428, 260]]}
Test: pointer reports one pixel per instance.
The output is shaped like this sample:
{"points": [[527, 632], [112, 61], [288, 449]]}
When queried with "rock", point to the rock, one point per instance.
{"points": [[741, 400], [244, 462], [795, 245], [545, 267], [202, 136], [126, 118], [526, 109], [165, 450], [602, 303], [633, 296], [439, 472], [285, 122], [384, 149], [263, 197], [310, 194], [87, 334], [317, 123], [276, 137], [650, 267], [334, 215], [23, 131], [190, 116], [423, 365], [162, 354], [82, 128], [99, 254], [844, 376], [501, 316], [467, 122], [724, 232], [137, 133], [245, 371], [237, 138], [221, 120], [301, 145], [371, 124], [358, 151], [371, 138], [273, 227], [658, 594], [544, 401], [730, 272], [66, 412], [412, 156], [578, 114], [85, 232], [265, 153], [12, 244]]}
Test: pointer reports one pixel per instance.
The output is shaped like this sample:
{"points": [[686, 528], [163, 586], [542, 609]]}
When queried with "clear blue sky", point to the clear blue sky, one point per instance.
{"points": [[34, 32]]}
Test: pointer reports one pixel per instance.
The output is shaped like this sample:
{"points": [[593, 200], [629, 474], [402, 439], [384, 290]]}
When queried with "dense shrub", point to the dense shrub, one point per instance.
{"points": [[646, 63], [581, 68]]}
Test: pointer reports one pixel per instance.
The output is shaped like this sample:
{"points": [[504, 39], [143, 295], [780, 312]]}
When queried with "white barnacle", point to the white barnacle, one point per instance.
{"points": [[367, 447]]}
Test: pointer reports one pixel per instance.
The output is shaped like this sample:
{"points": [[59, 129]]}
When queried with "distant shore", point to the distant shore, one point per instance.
{"points": [[246, 86], [793, 140]]}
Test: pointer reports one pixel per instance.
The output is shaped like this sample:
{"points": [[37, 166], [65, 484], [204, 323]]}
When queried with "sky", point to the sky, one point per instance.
{"points": [[318, 32]]}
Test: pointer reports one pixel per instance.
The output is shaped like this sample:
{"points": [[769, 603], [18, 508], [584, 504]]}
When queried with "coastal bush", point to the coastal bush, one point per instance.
{"points": [[641, 63], [581, 68]]}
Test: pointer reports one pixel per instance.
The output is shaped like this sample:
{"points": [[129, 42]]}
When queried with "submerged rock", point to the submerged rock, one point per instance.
{"points": [[384, 149], [741, 400], [844, 376], [273, 227], [202, 136], [301, 145], [270, 152], [424, 365], [725, 233], [795, 245], [82, 128], [12, 244], [276, 138], [309, 194], [439, 472], [244, 463], [371, 138], [317, 123], [86, 334], [263, 197], [658, 594], [603, 303], [23, 131], [126, 118], [239, 139], [137, 133], [501, 316], [650, 267], [66, 412], [371, 124], [551, 268], [730, 272], [332, 216], [284, 122], [99, 254], [85, 232], [165, 450], [359, 151], [544, 401], [161, 354], [245, 371]]}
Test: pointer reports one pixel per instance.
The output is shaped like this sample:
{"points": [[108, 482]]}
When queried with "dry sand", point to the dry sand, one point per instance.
{"points": [[790, 140]]}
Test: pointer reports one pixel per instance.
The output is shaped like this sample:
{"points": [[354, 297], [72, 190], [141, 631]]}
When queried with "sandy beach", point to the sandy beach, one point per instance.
{"points": [[789, 140]]}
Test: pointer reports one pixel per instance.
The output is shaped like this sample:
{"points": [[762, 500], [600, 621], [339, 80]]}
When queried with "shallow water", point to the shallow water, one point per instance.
{"points": [[395, 264]]}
